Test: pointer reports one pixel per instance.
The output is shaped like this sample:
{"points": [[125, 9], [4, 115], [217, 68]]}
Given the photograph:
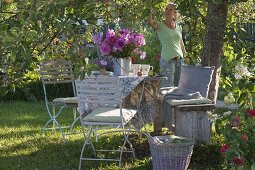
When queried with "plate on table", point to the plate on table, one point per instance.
{"points": [[97, 73]]}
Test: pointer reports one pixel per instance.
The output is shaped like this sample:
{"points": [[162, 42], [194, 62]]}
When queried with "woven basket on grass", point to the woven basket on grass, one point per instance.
{"points": [[170, 156]]}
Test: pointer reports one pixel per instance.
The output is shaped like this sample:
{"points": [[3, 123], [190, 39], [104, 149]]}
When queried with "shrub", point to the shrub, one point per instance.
{"points": [[239, 133]]}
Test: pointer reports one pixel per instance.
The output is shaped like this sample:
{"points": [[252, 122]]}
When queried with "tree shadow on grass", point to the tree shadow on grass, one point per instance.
{"points": [[51, 153]]}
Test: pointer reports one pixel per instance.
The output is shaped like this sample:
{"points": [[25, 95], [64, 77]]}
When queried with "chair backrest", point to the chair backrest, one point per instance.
{"points": [[57, 72], [99, 90], [196, 78]]}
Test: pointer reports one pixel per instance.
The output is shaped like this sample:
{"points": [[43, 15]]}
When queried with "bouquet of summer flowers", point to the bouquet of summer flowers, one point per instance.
{"points": [[119, 44]]}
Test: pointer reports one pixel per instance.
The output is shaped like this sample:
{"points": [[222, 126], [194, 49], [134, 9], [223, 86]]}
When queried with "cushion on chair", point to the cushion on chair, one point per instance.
{"points": [[196, 78], [71, 100], [109, 114], [176, 102]]}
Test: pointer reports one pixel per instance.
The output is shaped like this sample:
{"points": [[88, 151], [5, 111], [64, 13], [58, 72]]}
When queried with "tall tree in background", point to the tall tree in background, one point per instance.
{"points": [[212, 51]]}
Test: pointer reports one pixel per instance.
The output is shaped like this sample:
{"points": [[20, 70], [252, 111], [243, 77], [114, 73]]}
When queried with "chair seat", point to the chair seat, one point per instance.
{"points": [[200, 100], [110, 115], [71, 100]]}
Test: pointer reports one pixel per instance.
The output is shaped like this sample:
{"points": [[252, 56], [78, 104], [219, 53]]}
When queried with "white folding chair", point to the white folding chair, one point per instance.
{"points": [[58, 72], [101, 96]]}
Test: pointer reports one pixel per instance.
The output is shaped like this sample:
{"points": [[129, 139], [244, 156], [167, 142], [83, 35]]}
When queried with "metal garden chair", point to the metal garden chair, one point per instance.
{"points": [[101, 97], [52, 73]]}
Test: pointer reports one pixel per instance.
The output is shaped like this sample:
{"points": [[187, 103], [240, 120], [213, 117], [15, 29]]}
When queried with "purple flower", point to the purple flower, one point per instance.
{"points": [[124, 31], [139, 40], [105, 48], [111, 39], [110, 33], [103, 62], [125, 38], [132, 38], [97, 39], [119, 45]]}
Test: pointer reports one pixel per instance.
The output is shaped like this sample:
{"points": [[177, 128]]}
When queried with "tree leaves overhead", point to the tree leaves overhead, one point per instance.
{"points": [[34, 29]]}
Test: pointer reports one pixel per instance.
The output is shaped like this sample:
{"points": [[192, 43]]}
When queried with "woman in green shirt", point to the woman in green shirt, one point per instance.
{"points": [[173, 50]]}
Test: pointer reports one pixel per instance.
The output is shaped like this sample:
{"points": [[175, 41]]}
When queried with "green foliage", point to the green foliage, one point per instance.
{"points": [[31, 31], [152, 49], [238, 130], [33, 91], [206, 157], [193, 24], [239, 50]]}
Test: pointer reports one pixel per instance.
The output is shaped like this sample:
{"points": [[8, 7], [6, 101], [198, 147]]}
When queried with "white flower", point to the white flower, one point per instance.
{"points": [[227, 113], [241, 71], [143, 55]]}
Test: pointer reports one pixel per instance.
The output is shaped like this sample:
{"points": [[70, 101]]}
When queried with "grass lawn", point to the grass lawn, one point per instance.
{"points": [[23, 145]]}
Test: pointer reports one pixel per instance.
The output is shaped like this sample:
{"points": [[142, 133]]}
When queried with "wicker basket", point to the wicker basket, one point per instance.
{"points": [[170, 156]]}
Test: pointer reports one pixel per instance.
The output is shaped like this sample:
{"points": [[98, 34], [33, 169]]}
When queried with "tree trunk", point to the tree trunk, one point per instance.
{"points": [[212, 51]]}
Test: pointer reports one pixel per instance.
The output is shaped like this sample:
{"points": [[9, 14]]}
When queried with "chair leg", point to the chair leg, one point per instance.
{"points": [[55, 124], [61, 130], [130, 144], [126, 140], [87, 142], [45, 126], [71, 128]]}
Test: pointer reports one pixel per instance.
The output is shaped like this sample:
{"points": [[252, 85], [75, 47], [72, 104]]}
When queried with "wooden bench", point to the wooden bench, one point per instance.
{"points": [[188, 120], [193, 121]]}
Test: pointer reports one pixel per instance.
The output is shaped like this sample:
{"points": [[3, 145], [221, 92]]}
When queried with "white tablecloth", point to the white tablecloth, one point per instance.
{"points": [[128, 83]]}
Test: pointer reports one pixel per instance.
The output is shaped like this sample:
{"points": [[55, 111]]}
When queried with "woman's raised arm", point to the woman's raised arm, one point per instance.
{"points": [[154, 24]]}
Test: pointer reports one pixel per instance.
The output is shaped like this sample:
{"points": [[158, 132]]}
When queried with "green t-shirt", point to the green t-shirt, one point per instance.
{"points": [[170, 41]]}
